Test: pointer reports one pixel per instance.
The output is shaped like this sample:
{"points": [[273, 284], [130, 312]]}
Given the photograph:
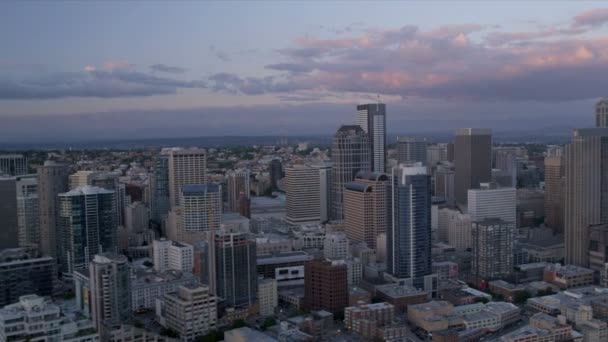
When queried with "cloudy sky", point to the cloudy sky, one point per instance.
{"points": [[81, 70]]}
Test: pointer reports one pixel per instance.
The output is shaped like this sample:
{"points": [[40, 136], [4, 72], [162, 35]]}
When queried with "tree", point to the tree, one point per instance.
{"points": [[268, 322], [521, 296], [212, 336]]}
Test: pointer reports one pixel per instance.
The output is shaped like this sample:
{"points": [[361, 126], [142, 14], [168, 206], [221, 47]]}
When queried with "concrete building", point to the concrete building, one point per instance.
{"points": [[82, 178], [159, 184], [554, 193], [586, 190], [335, 246], [137, 218], [380, 314], [9, 232], [472, 161], [350, 153], [287, 268], [568, 276], [199, 213], [411, 150], [191, 311], [88, 225], [306, 194], [34, 318], [186, 167], [444, 185], [372, 118], [601, 113], [436, 154], [13, 165], [492, 248], [366, 207], [235, 260], [326, 286], [455, 229], [23, 273], [598, 248], [409, 234], [110, 291], [268, 296], [276, 173], [172, 255], [238, 183], [28, 212], [52, 180], [490, 202]]}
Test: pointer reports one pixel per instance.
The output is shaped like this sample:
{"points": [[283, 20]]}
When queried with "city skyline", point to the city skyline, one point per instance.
{"points": [[481, 65]]}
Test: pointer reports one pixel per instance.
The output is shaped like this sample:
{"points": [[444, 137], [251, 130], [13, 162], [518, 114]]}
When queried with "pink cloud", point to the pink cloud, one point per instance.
{"points": [[594, 17]]}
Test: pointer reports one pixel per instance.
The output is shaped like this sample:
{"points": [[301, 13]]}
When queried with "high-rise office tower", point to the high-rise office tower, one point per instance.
{"points": [[492, 240], [238, 182], [110, 291], [325, 186], [28, 212], [88, 224], [160, 187], [326, 285], [186, 167], [303, 194], [491, 202], [586, 190], [436, 154], [13, 165], [199, 213], [408, 237], [444, 185], [276, 173], [8, 213], [472, 160], [52, 180], [366, 202], [235, 261], [372, 118], [554, 193], [350, 154], [601, 113], [411, 150]]}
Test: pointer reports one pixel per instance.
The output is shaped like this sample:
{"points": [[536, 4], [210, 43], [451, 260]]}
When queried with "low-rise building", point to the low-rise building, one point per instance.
{"points": [[34, 318], [568, 276], [191, 311], [401, 296]]}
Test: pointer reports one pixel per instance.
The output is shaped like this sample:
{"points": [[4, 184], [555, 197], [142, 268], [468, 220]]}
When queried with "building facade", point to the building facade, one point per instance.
{"points": [[52, 180], [13, 165], [492, 248], [235, 260], [411, 150], [472, 160], [326, 286], [186, 167], [372, 118]]}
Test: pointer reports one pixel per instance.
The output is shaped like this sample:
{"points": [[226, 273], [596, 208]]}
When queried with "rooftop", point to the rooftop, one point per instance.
{"points": [[87, 190]]}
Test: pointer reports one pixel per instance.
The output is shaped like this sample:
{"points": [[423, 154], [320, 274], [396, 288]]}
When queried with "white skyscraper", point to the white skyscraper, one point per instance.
{"points": [[492, 203], [307, 189], [372, 118], [186, 167], [172, 255]]}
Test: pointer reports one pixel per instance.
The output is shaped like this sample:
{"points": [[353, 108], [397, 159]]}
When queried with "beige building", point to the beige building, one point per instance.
{"points": [[356, 317], [268, 296], [307, 193], [82, 178], [586, 190], [365, 207], [191, 311], [199, 213], [186, 166], [454, 228]]}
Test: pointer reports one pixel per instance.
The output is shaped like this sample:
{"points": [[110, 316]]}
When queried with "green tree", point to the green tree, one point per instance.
{"points": [[521, 296], [268, 322]]}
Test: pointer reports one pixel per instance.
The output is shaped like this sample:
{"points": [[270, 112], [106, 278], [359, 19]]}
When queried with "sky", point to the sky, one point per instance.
{"points": [[115, 70]]}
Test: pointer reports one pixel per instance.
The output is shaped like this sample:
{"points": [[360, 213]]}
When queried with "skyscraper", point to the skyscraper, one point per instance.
{"points": [[554, 193], [326, 285], [492, 240], [8, 213], [235, 258], [110, 287], [586, 190], [13, 165], [238, 182], [372, 118], [601, 113], [199, 213], [52, 180], [28, 212], [491, 202], [472, 160], [186, 167], [276, 173], [411, 150], [160, 187], [88, 225], [303, 194], [409, 235], [366, 203], [350, 154]]}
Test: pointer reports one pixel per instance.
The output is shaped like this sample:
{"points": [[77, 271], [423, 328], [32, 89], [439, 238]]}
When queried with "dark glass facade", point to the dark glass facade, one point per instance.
{"points": [[235, 261]]}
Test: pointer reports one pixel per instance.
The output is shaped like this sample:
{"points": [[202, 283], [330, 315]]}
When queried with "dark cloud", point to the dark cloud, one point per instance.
{"points": [[167, 68], [92, 83]]}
